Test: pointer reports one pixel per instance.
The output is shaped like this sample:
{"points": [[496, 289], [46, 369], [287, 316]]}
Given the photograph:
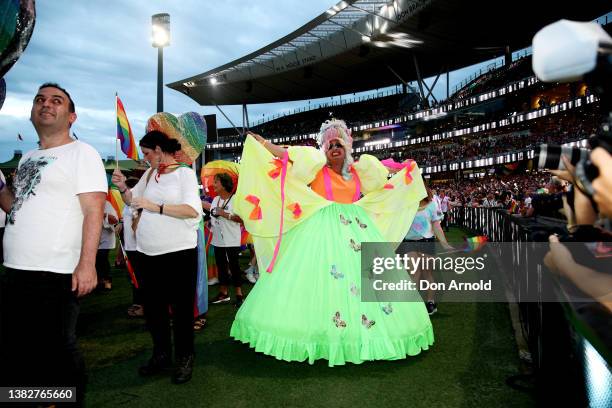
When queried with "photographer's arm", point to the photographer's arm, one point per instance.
{"points": [[593, 283], [603, 183], [584, 213]]}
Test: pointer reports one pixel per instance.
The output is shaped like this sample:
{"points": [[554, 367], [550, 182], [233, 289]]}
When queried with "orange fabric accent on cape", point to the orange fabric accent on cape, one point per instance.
{"points": [[343, 190]]}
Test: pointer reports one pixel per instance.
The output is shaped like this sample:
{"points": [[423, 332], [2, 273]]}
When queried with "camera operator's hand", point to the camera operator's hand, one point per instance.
{"points": [[603, 183], [559, 257], [568, 173], [583, 213]]}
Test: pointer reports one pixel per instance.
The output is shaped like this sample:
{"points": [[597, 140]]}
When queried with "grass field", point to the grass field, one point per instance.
{"points": [[473, 354]]}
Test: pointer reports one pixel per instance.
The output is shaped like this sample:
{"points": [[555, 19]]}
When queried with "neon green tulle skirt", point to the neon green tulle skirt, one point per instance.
{"points": [[310, 306]]}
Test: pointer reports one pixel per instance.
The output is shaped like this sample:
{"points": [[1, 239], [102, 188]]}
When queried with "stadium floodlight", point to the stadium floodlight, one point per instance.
{"points": [[213, 81], [160, 27], [160, 30], [566, 50]]}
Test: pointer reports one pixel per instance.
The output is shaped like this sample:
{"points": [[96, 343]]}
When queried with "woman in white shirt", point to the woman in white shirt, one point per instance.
{"points": [[226, 239], [168, 208]]}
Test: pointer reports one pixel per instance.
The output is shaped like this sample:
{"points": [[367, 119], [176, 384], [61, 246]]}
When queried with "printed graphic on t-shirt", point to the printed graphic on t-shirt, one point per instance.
{"points": [[27, 179]]}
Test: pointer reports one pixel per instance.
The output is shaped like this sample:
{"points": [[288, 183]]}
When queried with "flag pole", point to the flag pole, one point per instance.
{"points": [[116, 138]]}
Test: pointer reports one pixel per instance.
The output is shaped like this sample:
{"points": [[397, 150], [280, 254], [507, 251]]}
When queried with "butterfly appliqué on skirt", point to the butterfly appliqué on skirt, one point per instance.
{"points": [[344, 220], [366, 322], [388, 309], [335, 273], [354, 289], [361, 224], [338, 320]]}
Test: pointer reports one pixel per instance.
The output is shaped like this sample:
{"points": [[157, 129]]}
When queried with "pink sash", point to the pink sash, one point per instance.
{"points": [[284, 161]]}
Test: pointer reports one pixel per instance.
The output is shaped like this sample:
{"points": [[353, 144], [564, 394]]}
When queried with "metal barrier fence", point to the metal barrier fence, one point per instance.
{"points": [[570, 343]]}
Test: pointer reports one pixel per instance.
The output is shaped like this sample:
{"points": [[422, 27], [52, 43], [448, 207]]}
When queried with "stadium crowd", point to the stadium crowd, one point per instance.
{"points": [[552, 130]]}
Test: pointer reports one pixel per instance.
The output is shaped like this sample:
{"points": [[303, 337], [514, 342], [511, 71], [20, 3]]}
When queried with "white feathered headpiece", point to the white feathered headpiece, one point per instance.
{"points": [[335, 129]]}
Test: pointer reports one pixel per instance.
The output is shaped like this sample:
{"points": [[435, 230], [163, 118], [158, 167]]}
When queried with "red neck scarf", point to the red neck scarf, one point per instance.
{"points": [[165, 168]]}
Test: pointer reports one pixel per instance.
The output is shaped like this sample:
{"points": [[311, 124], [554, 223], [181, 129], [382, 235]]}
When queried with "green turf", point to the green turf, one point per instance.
{"points": [[473, 354]]}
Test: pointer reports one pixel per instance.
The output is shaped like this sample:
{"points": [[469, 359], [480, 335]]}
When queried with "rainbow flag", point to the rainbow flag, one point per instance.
{"points": [[474, 243], [513, 208], [114, 198], [124, 132]]}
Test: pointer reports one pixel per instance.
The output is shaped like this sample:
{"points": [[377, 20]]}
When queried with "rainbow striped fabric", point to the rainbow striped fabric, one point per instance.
{"points": [[513, 207], [114, 198], [124, 133], [474, 243]]}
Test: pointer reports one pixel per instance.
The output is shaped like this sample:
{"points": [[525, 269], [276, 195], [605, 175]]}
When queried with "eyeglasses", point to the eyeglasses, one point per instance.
{"points": [[335, 145]]}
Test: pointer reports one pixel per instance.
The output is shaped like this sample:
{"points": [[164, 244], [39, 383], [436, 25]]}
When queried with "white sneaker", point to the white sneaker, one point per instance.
{"points": [[250, 276], [213, 281], [256, 272]]}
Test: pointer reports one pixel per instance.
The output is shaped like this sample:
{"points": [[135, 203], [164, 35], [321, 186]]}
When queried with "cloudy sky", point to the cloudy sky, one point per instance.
{"points": [[97, 48]]}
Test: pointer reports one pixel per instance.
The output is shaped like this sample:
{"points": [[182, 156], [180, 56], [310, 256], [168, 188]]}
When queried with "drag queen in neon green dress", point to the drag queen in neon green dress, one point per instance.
{"points": [[308, 212]]}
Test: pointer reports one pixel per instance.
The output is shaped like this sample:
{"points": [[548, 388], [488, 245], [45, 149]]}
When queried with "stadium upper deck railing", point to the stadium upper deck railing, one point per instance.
{"points": [[396, 90], [423, 114]]}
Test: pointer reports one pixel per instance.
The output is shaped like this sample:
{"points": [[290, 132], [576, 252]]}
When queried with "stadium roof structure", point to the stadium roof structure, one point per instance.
{"points": [[359, 45]]}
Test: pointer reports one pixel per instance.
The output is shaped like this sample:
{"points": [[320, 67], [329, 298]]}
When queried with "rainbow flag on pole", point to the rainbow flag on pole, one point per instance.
{"points": [[474, 243], [124, 133]]}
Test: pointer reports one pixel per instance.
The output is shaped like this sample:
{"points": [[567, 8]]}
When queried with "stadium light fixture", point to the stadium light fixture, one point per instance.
{"points": [[213, 81], [160, 38], [160, 30]]}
